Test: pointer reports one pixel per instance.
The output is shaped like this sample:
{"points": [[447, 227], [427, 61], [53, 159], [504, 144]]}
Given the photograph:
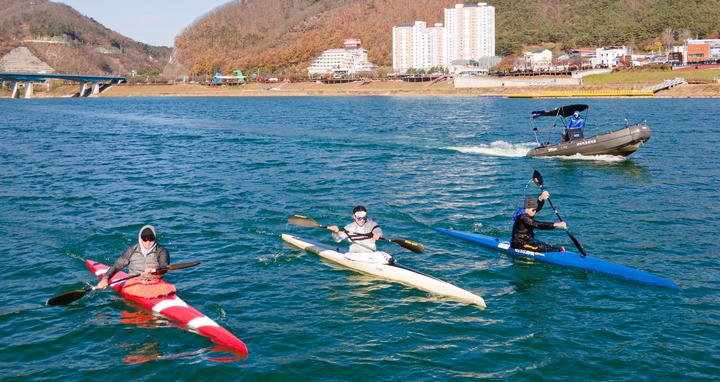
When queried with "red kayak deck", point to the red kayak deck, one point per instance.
{"points": [[174, 308]]}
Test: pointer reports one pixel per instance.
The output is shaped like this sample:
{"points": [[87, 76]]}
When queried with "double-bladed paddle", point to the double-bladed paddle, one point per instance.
{"points": [[304, 221], [537, 178], [69, 297]]}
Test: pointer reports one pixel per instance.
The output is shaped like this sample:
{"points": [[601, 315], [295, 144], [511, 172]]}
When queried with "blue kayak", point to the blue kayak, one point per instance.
{"points": [[567, 259]]}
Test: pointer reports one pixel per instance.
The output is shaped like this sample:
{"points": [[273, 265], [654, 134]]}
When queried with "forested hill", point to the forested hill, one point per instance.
{"points": [[72, 43], [287, 35]]}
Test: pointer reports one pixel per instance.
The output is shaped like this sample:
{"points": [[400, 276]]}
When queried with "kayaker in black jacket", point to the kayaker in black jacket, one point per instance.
{"points": [[523, 234]]}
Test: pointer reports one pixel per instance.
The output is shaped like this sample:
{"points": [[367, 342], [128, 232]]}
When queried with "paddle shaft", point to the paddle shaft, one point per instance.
{"points": [[537, 178], [69, 297], [170, 267], [305, 221]]}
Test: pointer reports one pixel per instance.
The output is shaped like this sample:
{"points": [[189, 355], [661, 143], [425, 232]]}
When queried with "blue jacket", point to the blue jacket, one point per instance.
{"points": [[575, 123]]}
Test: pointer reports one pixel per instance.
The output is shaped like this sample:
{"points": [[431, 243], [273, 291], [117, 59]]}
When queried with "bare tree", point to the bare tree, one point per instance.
{"points": [[668, 38], [685, 35]]}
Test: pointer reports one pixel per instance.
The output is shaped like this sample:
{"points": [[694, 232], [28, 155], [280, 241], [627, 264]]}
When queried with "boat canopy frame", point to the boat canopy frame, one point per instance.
{"points": [[560, 114]]}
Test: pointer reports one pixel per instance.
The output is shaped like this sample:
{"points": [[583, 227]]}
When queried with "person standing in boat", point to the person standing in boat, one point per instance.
{"points": [[362, 234], [573, 129], [523, 234], [144, 258]]}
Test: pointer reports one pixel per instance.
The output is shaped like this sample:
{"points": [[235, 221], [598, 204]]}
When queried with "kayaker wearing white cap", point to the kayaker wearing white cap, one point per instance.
{"points": [[362, 233]]}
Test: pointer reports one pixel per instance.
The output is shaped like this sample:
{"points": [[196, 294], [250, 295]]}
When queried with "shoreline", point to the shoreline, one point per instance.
{"points": [[376, 88]]}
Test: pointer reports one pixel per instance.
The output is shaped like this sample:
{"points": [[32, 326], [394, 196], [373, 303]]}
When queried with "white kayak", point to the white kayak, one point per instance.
{"points": [[395, 272]]}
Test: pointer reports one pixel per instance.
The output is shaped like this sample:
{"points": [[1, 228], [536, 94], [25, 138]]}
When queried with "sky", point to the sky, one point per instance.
{"points": [[153, 22]]}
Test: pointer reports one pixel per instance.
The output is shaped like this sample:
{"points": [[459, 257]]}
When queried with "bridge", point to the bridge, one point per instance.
{"points": [[88, 84]]}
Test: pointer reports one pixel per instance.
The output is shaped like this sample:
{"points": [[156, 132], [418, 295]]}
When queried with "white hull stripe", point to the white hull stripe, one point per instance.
{"points": [[101, 272], [169, 304], [202, 321]]}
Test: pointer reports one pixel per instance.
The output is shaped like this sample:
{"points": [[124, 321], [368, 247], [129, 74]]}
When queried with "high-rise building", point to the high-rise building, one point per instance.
{"points": [[468, 34], [403, 46]]}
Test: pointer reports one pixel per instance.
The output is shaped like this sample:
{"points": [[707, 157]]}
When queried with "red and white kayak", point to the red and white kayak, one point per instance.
{"points": [[174, 308]]}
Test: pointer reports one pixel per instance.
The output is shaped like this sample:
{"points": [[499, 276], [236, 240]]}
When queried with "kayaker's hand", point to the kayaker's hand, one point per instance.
{"points": [[334, 228], [102, 284], [376, 236], [147, 271], [544, 196], [563, 225]]}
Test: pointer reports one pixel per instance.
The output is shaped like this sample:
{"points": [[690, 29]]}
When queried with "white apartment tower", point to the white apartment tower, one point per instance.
{"points": [[402, 47], [409, 46], [468, 34], [418, 46], [436, 46]]}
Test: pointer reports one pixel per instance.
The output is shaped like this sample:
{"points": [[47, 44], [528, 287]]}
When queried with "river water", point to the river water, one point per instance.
{"points": [[218, 178]]}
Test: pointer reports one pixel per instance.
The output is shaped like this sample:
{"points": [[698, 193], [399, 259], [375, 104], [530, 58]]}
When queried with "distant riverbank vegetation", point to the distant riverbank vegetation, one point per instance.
{"points": [[285, 36], [652, 74]]}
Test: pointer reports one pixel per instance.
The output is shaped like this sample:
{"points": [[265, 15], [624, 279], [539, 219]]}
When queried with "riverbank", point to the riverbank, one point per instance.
{"points": [[375, 88], [385, 88]]}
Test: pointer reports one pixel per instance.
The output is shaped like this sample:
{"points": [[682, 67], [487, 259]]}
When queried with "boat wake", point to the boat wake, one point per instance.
{"points": [[498, 149], [596, 158], [507, 149]]}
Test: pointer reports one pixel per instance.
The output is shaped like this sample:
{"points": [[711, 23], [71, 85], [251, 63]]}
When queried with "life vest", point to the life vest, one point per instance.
{"points": [[148, 288], [520, 211]]}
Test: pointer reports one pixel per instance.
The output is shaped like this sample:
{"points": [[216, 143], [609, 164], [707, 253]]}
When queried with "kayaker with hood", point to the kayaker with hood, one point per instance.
{"points": [[523, 234], [143, 258], [362, 234]]}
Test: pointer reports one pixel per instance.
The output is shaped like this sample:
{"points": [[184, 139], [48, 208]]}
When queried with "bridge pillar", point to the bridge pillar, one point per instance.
{"points": [[28, 89], [15, 90], [83, 89], [95, 88]]}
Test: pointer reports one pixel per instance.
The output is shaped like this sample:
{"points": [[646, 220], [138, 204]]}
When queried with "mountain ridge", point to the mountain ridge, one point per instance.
{"points": [[70, 42]]}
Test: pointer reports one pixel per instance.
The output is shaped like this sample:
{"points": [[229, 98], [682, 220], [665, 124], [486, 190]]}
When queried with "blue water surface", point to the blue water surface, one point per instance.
{"points": [[218, 178]]}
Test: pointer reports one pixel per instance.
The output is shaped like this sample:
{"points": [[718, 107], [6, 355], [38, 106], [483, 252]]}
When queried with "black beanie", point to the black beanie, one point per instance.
{"points": [[147, 233], [531, 202]]}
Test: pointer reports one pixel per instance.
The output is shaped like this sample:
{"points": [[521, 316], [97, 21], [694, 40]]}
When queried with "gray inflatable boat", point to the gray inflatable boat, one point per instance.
{"points": [[622, 142]]}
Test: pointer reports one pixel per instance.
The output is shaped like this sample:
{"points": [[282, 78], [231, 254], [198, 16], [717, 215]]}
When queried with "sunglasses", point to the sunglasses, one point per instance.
{"points": [[361, 219], [147, 239]]}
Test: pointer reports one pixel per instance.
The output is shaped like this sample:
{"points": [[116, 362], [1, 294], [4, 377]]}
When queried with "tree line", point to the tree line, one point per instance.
{"points": [[283, 36]]}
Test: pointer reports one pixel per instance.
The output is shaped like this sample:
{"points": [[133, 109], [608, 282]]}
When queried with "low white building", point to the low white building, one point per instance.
{"points": [[610, 56], [583, 58], [537, 60], [351, 60]]}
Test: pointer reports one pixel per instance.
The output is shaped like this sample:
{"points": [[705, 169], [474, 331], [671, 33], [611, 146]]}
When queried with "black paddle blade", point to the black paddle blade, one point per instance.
{"points": [[577, 244], [173, 267], [411, 245], [303, 221], [537, 178], [67, 298]]}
